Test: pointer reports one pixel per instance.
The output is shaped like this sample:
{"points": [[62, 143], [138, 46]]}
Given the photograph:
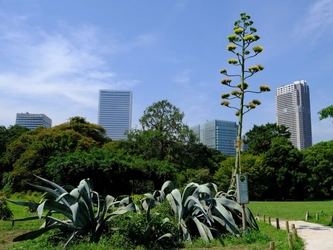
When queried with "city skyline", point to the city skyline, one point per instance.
{"points": [[57, 55]]}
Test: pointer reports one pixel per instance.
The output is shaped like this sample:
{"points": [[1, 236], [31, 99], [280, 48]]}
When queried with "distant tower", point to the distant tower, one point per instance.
{"points": [[115, 112], [293, 111], [218, 134], [32, 121]]}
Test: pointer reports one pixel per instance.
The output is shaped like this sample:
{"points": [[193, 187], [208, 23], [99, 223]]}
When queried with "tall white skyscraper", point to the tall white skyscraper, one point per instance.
{"points": [[115, 112], [293, 111], [32, 121]]}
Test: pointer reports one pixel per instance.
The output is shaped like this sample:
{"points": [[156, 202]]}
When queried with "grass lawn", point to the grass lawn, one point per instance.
{"points": [[295, 210]]}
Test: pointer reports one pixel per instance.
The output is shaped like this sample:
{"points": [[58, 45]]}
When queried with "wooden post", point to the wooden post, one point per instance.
{"points": [[277, 223], [264, 219], [294, 231], [269, 220], [331, 219], [290, 241], [287, 226], [307, 215], [243, 217], [271, 245], [317, 217]]}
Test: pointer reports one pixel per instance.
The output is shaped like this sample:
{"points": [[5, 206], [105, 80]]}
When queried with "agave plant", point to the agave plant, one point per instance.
{"points": [[212, 215], [85, 211]]}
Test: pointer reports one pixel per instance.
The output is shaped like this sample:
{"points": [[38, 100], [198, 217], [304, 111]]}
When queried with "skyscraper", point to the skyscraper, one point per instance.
{"points": [[115, 112], [32, 121], [293, 111], [218, 134]]}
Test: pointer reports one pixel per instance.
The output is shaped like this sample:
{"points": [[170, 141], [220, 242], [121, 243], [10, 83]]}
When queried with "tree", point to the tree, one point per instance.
{"points": [[252, 166], [240, 40], [29, 153], [164, 137], [326, 112], [283, 175], [259, 138], [318, 160]]}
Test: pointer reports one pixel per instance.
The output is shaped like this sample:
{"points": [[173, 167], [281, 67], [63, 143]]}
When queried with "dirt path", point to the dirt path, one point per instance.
{"points": [[315, 236]]}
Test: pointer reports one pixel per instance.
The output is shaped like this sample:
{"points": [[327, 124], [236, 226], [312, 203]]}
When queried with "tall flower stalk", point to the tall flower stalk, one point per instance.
{"points": [[240, 41]]}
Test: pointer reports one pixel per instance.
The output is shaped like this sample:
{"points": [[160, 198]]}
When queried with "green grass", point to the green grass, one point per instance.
{"points": [[295, 210]]}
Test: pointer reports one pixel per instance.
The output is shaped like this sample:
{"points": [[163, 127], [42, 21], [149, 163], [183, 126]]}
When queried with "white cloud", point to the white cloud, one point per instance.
{"points": [[44, 70], [317, 21]]}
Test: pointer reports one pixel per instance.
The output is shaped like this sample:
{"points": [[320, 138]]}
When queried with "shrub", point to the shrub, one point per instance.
{"points": [[5, 212]]}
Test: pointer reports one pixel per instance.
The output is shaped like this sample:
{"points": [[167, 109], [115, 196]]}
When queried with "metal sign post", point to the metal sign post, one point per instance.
{"points": [[242, 194]]}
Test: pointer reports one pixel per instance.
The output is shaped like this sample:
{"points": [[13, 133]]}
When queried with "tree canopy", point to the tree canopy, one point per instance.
{"points": [[259, 138], [326, 112]]}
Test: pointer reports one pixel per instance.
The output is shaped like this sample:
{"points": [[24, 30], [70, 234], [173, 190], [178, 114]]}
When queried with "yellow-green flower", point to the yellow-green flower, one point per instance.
{"points": [[232, 37], [256, 102], [225, 103], [238, 30], [223, 71], [264, 88], [236, 92], [258, 49], [233, 61], [249, 38], [231, 47], [245, 86], [225, 95], [226, 81]]}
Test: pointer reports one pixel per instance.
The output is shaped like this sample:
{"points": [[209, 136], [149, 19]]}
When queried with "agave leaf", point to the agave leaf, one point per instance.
{"points": [[69, 238], [189, 190], [201, 189], [186, 232], [167, 235], [24, 203], [224, 214], [204, 231], [167, 185], [52, 184], [51, 192], [123, 210], [36, 233], [175, 202], [54, 206]]}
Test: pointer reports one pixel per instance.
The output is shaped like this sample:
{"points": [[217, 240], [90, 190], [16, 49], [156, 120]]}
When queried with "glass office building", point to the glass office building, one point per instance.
{"points": [[115, 112], [218, 134], [293, 110], [32, 121]]}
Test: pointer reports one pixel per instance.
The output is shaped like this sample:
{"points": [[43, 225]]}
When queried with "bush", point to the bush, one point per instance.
{"points": [[5, 212]]}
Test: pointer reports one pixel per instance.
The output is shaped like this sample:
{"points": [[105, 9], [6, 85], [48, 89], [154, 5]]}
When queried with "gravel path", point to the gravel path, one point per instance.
{"points": [[315, 236]]}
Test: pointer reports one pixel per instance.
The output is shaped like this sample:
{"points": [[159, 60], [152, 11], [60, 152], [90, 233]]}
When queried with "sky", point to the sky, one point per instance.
{"points": [[55, 56]]}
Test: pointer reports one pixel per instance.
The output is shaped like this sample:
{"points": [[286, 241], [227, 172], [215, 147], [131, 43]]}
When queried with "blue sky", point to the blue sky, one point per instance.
{"points": [[56, 55]]}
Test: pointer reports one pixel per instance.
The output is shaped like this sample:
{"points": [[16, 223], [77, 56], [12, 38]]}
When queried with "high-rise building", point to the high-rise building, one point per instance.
{"points": [[218, 134], [293, 111], [32, 121], [115, 112]]}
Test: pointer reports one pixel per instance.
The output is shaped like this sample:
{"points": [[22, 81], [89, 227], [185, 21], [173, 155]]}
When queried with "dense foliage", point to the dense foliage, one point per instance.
{"points": [[78, 150]]}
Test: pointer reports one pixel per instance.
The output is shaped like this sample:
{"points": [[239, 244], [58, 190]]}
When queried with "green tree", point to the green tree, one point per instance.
{"points": [[252, 166], [284, 177], [243, 36], [163, 137], [259, 138], [318, 160], [326, 112], [28, 154]]}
